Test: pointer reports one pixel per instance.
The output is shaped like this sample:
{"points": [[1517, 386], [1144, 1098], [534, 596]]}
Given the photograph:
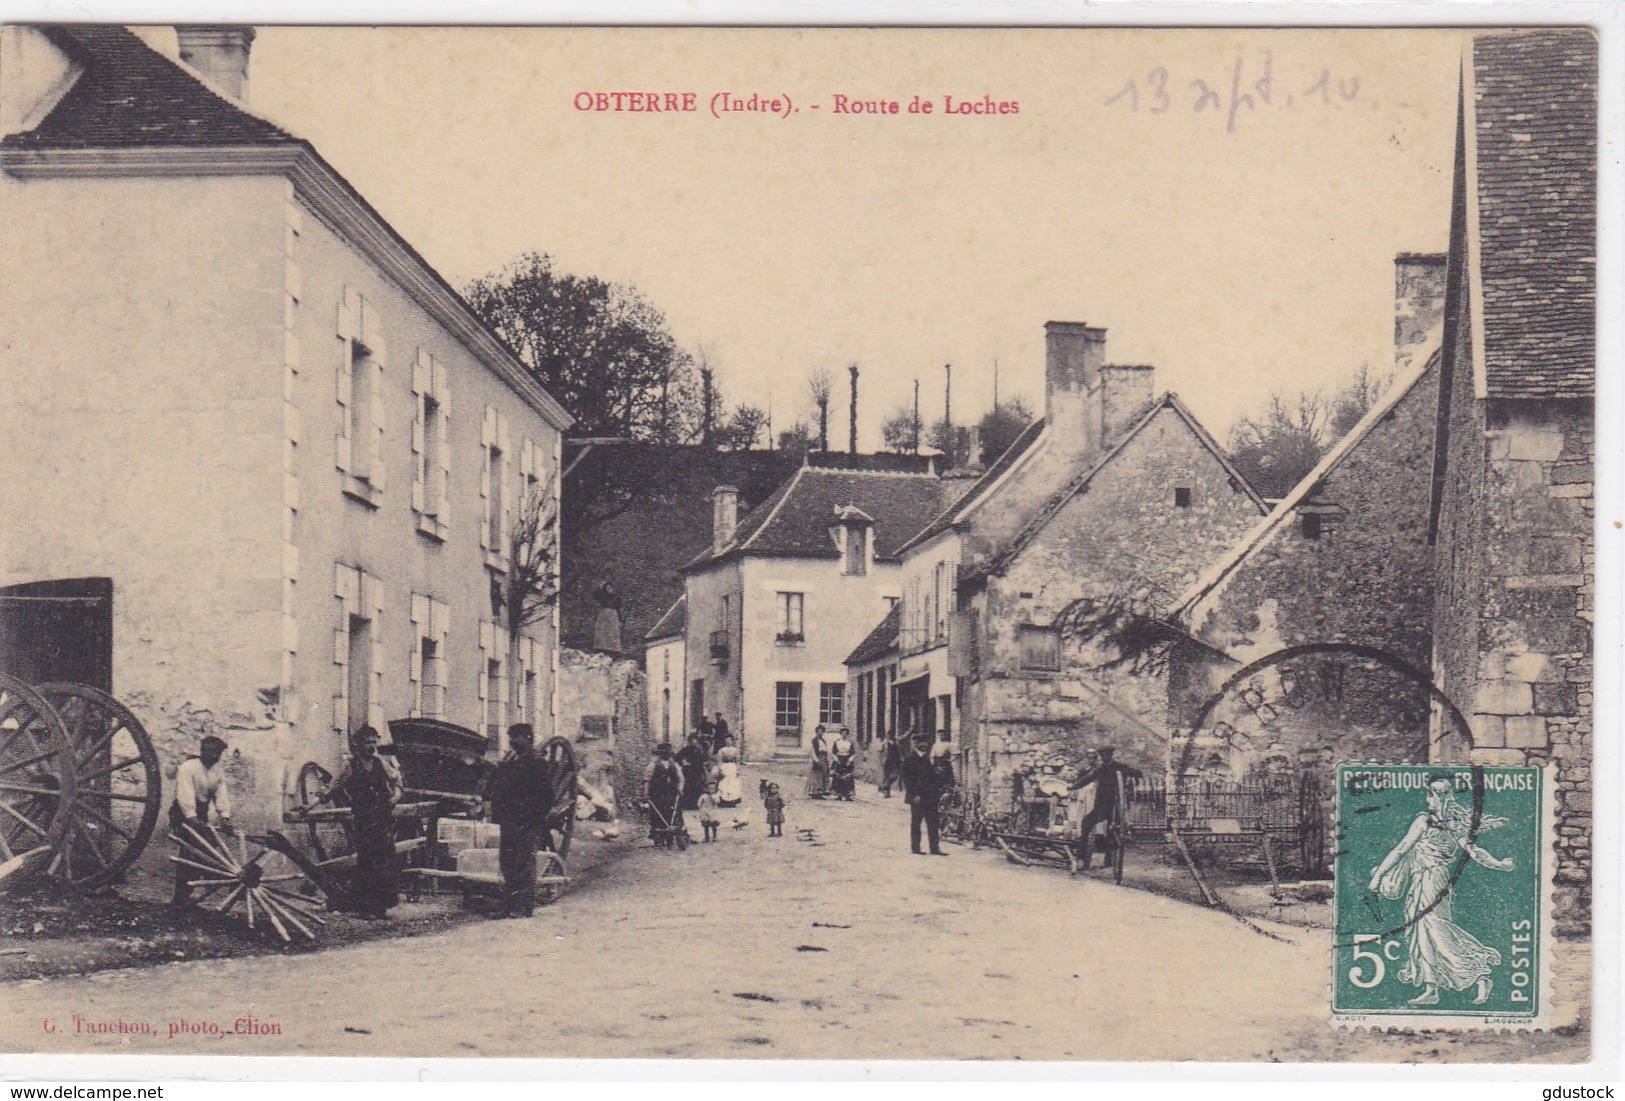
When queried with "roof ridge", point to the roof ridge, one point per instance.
{"points": [[1212, 577], [778, 505]]}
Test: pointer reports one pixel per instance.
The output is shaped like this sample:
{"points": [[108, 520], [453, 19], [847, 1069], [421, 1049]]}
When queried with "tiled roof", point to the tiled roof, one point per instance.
{"points": [[1535, 110], [131, 95], [795, 521], [950, 515], [880, 641], [1079, 482], [673, 623]]}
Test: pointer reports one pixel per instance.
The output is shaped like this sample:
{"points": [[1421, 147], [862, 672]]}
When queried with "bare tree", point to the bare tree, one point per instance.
{"points": [[530, 589], [1128, 626], [821, 385]]}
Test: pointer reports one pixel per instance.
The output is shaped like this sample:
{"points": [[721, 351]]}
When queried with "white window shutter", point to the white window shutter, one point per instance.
{"points": [[423, 373], [442, 494], [507, 476], [376, 408], [346, 316]]}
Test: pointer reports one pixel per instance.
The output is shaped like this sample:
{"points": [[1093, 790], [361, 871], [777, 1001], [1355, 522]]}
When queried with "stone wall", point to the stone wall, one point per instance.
{"points": [[1516, 604], [602, 709]]}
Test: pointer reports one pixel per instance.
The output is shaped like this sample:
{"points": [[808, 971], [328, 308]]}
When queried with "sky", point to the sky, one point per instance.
{"points": [[1227, 203]]}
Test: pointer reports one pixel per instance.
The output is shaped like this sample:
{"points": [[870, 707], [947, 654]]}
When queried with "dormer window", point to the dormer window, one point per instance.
{"points": [[851, 534]]}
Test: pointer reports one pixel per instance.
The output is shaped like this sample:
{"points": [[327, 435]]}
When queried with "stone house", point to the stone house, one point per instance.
{"points": [[1343, 559], [666, 671], [1512, 505], [871, 671], [781, 597], [1117, 495], [250, 413]]}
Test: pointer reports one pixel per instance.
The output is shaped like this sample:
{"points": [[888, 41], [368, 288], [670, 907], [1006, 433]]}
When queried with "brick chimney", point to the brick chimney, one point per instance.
{"points": [[1073, 356], [724, 516], [219, 55], [1125, 393], [1418, 304]]}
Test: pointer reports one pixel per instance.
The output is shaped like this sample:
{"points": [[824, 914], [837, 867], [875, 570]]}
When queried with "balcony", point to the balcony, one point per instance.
{"points": [[790, 638], [719, 646]]}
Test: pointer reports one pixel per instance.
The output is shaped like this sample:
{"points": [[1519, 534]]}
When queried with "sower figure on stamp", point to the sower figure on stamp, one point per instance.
{"points": [[923, 782], [1420, 870], [519, 804], [370, 785], [200, 783]]}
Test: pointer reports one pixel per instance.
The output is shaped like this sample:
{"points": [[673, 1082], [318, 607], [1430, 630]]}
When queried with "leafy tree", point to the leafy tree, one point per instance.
{"points": [[743, 429], [1353, 401], [600, 348], [1277, 450], [901, 431], [1001, 425], [798, 439]]}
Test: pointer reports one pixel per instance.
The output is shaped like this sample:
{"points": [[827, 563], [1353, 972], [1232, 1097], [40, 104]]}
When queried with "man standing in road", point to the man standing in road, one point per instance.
{"points": [[200, 783], [1106, 774], [923, 783], [519, 806]]}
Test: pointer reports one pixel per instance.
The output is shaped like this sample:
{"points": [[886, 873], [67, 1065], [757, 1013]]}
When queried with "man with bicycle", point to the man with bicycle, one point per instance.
{"points": [[1106, 774]]}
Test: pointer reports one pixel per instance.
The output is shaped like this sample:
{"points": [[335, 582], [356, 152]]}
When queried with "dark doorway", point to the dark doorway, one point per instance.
{"points": [[58, 631]]}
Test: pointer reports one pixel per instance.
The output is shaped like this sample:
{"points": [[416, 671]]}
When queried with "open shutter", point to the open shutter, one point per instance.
{"points": [[375, 407], [345, 328], [488, 436], [505, 445], [422, 383], [442, 395]]}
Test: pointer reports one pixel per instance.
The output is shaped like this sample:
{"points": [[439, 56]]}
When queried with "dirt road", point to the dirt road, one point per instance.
{"points": [[753, 947]]}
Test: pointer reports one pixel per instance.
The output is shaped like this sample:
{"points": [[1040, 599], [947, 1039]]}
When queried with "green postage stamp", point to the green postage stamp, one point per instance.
{"points": [[1442, 892]]}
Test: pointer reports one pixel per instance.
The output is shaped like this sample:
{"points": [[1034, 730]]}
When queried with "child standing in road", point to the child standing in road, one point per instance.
{"points": [[710, 817], [775, 811]]}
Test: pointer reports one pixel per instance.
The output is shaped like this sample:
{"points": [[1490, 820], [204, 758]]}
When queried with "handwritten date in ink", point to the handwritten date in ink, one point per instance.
{"points": [[1250, 86]]}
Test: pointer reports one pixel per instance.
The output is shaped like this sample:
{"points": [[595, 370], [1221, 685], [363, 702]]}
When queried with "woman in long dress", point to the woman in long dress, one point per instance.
{"points": [[730, 791], [843, 765], [1438, 951], [818, 772]]}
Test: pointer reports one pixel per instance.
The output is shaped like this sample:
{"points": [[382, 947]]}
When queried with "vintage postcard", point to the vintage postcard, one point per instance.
{"points": [[825, 543]]}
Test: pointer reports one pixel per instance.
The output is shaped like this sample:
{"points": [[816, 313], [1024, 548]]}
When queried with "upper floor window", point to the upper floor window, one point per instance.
{"points": [[496, 490], [431, 455], [360, 395], [857, 550], [1182, 496], [791, 617], [1040, 647]]}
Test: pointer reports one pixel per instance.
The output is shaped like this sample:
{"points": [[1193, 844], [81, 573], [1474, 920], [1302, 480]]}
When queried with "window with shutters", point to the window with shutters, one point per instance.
{"points": [[1040, 647], [427, 673], [360, 394], [496, 489], [857, 550], [358, 650], [431, 455]]}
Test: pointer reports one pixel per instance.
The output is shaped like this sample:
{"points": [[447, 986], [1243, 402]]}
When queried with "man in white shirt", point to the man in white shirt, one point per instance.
{"points": [[200, 783]]}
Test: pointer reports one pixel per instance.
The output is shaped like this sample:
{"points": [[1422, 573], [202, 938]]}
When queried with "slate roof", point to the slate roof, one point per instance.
{"points": [[795, 521], [979, 489], [880, 641], [1535, 127], [131, 95], [673, 623], [1080, 482]]}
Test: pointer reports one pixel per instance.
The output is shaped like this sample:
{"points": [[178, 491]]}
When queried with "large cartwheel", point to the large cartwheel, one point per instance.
{"points": [[37, 778], [79, 779], [559, 758]]}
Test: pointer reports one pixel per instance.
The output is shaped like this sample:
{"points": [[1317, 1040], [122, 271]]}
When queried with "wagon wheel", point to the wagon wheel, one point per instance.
{"points": [[119, 790], [1311, 827], [231, 876], [38, 781], [559, 760], [329, 839]]}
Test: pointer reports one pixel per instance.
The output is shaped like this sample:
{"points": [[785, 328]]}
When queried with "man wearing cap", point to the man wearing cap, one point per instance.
{"points": [[200, 783], [370, 785], [519, 798], [922, 781]]}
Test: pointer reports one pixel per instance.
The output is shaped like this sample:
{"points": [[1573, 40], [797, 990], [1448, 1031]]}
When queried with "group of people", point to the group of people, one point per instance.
{"points": [[833, 767], [369, 783], [701, 778]]}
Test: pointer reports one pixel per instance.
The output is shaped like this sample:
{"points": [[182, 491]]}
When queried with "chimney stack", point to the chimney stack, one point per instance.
{"points": [[1125, 393], [219, 55], [724, 516], [1073, 356], [1418, 304], [973, 447]]}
